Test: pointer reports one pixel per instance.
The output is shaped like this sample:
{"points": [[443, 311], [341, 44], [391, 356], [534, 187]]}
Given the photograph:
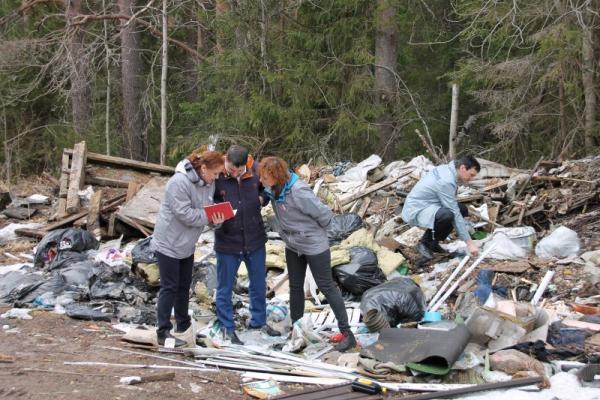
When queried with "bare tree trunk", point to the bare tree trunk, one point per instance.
{"points": [[564, 141], [107, 104], [80, 93], [587, 70], [132, 84], [163, 87], [453, 123], [263, 43], [386, 55], [196, 38], [221, 8]]}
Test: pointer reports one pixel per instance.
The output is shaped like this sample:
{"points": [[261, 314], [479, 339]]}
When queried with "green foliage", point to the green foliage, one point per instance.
{"points": [[297, 79]]}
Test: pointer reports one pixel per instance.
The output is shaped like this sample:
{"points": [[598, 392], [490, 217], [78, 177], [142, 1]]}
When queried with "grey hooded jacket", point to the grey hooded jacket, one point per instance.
{"points": [[182, 218], [303, 220]]}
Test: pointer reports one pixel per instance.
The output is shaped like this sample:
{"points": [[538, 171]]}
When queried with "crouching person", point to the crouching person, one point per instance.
{"points": [[180, 222], [303, 219]]}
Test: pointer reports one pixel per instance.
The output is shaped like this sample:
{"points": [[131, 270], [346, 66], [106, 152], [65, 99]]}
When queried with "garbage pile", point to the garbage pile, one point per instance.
{"points": [[526, 310]]}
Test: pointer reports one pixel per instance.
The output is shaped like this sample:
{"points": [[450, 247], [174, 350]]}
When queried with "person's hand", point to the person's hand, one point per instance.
{"points": [[218, 219], [472, 247]]}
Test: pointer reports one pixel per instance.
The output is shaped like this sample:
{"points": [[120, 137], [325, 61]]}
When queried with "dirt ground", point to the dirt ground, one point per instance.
{"points": [[42, 345]]}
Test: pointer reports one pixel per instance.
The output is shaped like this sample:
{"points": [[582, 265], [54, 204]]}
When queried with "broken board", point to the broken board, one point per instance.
{"points": [[144, 206]]}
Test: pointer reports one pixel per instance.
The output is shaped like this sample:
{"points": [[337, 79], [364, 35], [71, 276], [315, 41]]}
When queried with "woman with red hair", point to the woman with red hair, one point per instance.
{"points": [[303, 220], [180, 222]]}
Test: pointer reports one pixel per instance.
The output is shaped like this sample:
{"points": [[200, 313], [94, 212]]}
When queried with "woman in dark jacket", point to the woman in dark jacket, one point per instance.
{"points": [[180, 222], [303, 219]]}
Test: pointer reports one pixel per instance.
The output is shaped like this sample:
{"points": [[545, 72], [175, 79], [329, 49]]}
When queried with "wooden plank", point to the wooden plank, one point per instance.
{"points": [[93, 217], [111, 225], [111, 203], [61, 210], [127, 163], [132, 189], [581, 325], [372, 189], [144, 207], [102, 181], [470, 198], [350, 207], [494, 186], [364, 207], [5, 358], [559, 179], [28, 232], [76, 177], [130, 221], [510, 220]]}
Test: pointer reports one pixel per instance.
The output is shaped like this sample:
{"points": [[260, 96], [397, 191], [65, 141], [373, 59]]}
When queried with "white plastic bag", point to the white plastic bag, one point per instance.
{"points": [[561, 243], [504, 248]]}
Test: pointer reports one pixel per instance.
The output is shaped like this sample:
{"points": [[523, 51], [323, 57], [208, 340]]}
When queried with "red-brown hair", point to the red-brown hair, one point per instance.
{"points": [[211, 159], [276, 168]]}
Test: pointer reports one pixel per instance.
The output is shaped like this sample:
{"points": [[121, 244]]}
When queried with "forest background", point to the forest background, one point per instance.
{"points": [[320, 80]]}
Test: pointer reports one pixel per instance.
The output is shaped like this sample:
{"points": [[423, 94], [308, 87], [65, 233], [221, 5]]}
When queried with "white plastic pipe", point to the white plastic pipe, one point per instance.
{"points": [[542, 288], [450, 278], [461, 278]]}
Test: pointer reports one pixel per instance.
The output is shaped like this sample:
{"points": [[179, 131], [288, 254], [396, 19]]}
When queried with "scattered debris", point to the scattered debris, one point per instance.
{"points": [[529, 305]]}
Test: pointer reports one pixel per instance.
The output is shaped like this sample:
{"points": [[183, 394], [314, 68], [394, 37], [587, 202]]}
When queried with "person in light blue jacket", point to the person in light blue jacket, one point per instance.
{"points": [[432, 205]]}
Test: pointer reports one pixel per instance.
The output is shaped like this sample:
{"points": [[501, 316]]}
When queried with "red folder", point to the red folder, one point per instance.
{"points": [[224, 208]]}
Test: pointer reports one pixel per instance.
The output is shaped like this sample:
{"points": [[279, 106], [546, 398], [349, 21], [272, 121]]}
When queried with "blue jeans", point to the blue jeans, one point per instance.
{"points": [[227, 267]]}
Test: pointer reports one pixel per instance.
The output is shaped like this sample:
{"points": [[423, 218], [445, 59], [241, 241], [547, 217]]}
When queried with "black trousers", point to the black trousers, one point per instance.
{"points": [[443, 224], [175, 280], [320, 267]]}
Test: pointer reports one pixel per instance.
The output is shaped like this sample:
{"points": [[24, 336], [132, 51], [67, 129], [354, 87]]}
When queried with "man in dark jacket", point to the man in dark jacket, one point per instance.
{"points": [[241, 238]]}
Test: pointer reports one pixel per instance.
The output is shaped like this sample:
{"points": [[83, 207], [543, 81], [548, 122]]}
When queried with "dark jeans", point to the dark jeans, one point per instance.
{"points": [[175, 280], [443, 224], [320, 266], [227, 268]]}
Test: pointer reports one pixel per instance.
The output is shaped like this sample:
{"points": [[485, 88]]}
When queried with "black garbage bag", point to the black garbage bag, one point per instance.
{"points": [[342, 226], [78, 273], [399, 300], [71, 240], [362, 273], [54, 284], [141, 253], [107, 273], [15, 285], [90, 311], [107, 290], [65, 259]]}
